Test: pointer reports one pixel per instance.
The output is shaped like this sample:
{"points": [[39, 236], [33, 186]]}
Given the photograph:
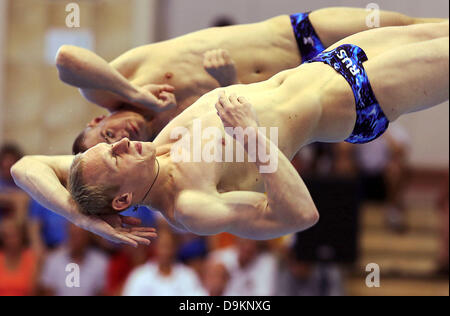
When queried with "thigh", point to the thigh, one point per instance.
{"points": [[377, 41]]}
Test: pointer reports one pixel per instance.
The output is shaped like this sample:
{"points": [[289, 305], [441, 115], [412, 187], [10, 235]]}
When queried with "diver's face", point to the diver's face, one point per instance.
{"points": [[112, 128], [125, 164]]}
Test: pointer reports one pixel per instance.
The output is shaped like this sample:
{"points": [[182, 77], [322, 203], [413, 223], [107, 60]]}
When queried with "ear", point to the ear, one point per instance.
{"points": [[96, 120], [122, 202]]}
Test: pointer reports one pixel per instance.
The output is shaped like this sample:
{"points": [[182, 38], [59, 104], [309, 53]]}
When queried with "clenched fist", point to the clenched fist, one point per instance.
{"points": [[156, 97], [220, 66]]}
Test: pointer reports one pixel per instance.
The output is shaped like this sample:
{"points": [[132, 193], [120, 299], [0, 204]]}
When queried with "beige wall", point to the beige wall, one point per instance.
{"points": [[40, 113]]}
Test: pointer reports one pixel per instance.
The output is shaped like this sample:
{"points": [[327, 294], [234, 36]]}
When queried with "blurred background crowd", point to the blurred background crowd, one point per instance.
{"points": [[386, 202]]}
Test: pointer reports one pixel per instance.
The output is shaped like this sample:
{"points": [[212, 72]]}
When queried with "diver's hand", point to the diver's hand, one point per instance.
{"points": [[238, 117], [111, 227], [155, 97], [236, 111], [219, 64]]}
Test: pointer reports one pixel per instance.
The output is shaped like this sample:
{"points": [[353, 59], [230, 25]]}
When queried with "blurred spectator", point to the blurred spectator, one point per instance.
{"points": [[122, 263], [310, 264], [220, 241], [92, 264], [306, 279], [13, 201], [215, 277], [18, 264], [384, 168], [443, 263], [9, 155], [193, 252], [48, 230], [163, 276], [322, 159], [253, 271], [344, 164]]}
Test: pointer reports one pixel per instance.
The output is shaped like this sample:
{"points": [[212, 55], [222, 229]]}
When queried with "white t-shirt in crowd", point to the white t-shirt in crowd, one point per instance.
{"points": [[259, 278], [92, 274], [148, 281]]}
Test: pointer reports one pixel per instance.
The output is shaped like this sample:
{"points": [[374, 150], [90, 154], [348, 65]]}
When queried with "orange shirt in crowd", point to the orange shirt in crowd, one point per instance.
{"points": [[18, 282]]}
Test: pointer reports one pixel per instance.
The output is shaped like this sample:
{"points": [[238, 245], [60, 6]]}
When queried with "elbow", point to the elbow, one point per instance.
{"points": [[309, 218], [64, 58], [314, 217], [17, 170], [62, 55]]}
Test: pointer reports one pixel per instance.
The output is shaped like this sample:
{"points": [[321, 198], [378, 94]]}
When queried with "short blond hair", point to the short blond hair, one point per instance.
{"points": [[91, 199]]}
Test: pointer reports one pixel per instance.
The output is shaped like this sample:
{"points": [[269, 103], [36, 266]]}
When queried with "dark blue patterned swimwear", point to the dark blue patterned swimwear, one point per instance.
{"points": [[309, 43], [348, 60]]}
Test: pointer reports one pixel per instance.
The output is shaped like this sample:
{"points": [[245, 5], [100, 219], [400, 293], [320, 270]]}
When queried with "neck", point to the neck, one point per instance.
{"points": [[159, 196]]}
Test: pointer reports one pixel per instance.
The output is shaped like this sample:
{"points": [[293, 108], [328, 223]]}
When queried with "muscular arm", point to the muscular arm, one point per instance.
{"points": [[97, 79], [334, 24], [104, 85], [286, 208], [44, 178]]}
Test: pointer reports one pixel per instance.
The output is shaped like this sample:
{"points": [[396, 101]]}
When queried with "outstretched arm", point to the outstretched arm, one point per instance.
{"points": [[44, 178], [334, 24], [102, 84], [286, 208]]}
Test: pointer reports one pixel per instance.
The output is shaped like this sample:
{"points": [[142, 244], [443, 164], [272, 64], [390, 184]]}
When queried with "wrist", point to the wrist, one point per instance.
{"points": [[250, 137], [133, 94]]}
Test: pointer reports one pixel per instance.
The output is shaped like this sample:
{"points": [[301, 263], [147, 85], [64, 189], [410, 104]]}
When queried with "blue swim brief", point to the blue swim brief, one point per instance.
{"points": [[348, 60], [309, 43]]}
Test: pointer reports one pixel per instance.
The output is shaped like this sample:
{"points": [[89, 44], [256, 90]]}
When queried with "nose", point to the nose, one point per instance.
{"points": [[122, 146]]}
